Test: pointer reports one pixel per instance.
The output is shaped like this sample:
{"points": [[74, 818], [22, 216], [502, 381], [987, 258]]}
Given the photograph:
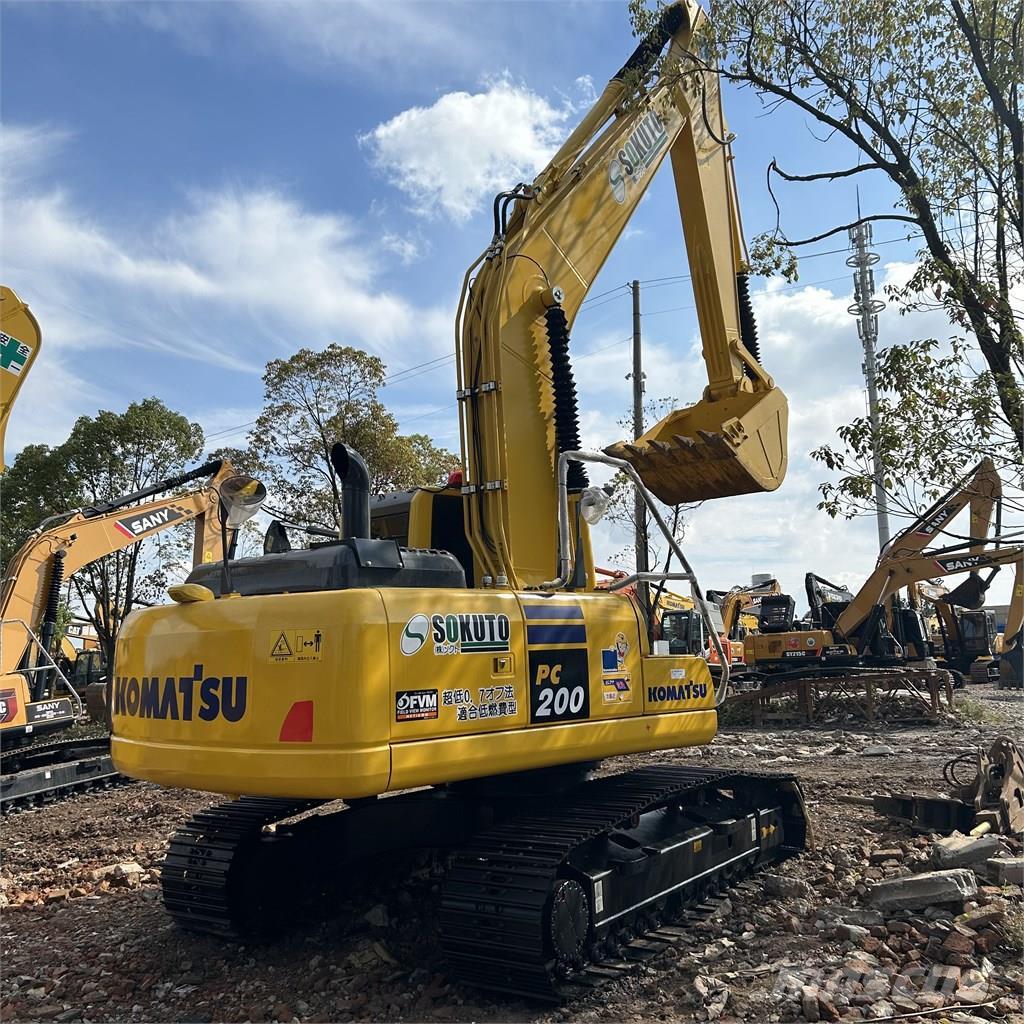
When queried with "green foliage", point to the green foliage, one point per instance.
{"points": [[311, 401], [105, 456], [935, 423], [929, 95]]}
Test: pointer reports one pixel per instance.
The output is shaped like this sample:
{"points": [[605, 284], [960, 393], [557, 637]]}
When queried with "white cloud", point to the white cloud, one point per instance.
{"points": [[809, 344], [465, 147], [256, 255], [391, 40], [404, 247]]}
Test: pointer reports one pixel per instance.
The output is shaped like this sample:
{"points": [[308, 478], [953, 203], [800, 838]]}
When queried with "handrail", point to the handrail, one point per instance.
{"points": [[52, 666], [565, 550]]}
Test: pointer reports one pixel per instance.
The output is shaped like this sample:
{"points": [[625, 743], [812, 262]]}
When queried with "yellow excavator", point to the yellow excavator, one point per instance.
{"points": [[20, 342], [456, 678], [855, 633], [40, 692]]}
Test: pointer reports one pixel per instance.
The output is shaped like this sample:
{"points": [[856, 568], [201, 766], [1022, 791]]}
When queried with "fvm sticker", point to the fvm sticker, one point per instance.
{"points": [[415, 705], [8, 706], [136, 526], [559, 686]]}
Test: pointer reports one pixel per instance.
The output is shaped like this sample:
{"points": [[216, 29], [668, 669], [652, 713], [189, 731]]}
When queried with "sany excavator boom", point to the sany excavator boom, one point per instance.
{"points": [[20, 342], [449, 662], [35, 696], [854, 629]]}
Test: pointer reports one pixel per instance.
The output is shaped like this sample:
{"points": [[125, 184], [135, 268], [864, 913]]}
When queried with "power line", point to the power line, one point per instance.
{"points": [[407, 373]]}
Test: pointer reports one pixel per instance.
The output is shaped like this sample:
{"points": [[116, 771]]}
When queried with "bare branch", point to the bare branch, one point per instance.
{"points": [[853, 224]]}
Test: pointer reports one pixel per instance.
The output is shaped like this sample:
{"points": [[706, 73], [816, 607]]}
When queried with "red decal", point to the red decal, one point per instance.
{"points": [[297, 726]]}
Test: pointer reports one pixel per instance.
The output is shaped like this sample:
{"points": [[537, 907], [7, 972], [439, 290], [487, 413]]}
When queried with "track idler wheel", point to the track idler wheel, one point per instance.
{"points": [[570, 922]]}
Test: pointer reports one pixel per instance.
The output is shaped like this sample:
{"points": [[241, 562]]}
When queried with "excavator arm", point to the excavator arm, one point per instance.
{"points": [[739, 599], [895, 574], [551, 238], [64, 544], [20, 341], [981, 489]]}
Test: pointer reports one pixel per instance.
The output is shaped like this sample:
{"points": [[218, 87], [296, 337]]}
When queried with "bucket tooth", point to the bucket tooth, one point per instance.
{"points": [[732, 445]]}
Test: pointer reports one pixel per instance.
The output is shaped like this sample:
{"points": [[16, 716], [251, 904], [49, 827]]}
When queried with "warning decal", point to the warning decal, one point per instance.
{"points": [[296, 645]]}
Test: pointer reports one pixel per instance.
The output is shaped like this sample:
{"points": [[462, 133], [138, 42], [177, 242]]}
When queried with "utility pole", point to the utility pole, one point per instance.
{"points": [[866, 308], [640, 510]]}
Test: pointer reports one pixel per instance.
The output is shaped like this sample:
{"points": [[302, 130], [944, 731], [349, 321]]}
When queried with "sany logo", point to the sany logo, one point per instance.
{"points": [[932, 526], [961, 563], [414, 636], [136, 526]]}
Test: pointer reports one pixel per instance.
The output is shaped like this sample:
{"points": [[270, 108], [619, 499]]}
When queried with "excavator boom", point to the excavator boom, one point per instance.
{"points": [[516, 390], [66, 543], [20, 341]]}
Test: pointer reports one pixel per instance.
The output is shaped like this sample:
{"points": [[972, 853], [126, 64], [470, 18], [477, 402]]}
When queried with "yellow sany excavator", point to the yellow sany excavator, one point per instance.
{"points": [[37, 696], [20, 341], [851, 633], [464, 655]]}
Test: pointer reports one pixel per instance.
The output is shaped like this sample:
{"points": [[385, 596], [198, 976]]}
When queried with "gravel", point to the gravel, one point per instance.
{"points": [[84, 938]]}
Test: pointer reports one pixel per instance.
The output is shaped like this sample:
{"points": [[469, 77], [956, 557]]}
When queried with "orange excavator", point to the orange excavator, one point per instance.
{"points": [[37, 694]]}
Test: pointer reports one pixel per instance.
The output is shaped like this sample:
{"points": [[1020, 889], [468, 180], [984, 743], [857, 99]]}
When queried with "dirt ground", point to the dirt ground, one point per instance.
{"points": [[84, 939]]}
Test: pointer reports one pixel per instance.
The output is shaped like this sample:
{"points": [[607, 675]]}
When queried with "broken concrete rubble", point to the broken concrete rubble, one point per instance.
{"points": [[957, 850], [915, 892]]}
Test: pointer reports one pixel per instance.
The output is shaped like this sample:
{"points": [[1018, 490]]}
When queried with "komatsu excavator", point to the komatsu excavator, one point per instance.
{"points": [[458, 689], [20, 342], [850, 633], [37, 696]]}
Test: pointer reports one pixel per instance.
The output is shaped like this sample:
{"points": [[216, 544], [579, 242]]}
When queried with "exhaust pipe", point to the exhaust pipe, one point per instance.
{"points": [[355, 490]]}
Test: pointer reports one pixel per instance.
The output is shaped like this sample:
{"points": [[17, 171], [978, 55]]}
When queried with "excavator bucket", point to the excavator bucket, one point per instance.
{"points": [[713, 449]]}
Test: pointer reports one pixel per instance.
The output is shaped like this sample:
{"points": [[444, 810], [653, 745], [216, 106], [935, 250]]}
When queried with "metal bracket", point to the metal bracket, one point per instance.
{"points": [[482, 389]]}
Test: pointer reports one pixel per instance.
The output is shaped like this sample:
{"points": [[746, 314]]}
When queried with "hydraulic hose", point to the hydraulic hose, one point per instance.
{"points": [[48, 630], [567, 420], [748, 325]]}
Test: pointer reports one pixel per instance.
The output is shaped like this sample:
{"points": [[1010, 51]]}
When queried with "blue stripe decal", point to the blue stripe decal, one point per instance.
{"points": [[551, 610], [556, 634]]}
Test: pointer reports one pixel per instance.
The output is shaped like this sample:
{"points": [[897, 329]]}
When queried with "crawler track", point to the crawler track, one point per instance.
{"points": [[517, 914], [561, 894], [43, 774]]}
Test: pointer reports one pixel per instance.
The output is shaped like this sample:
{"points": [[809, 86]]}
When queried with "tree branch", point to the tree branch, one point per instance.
{"points": [[853, 224], [822, 175]]}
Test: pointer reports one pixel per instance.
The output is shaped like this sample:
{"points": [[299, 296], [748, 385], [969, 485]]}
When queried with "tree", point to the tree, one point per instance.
{"points": [[104, 457], [315, 399], [622, 506], [928, 94]]}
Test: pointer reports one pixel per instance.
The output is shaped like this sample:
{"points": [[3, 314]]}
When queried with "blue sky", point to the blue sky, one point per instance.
{"points": [[191, 189]]}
